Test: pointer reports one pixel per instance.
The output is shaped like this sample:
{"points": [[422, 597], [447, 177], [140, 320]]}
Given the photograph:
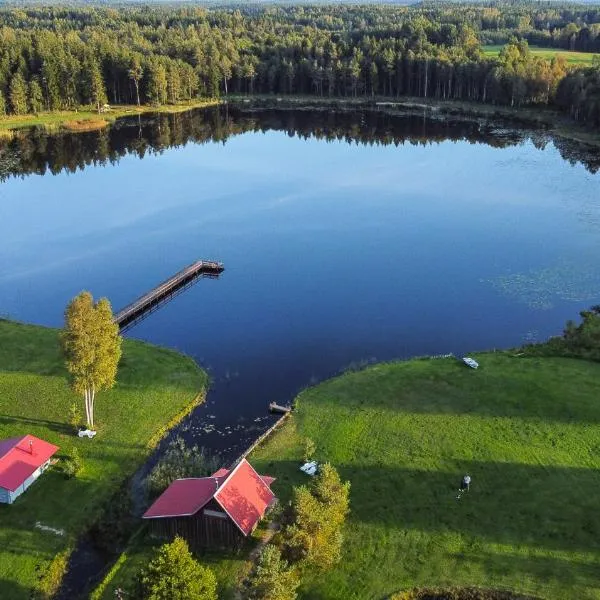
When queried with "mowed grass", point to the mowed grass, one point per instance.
{"points": [[154, 385], [572, 57], [527, 430]]}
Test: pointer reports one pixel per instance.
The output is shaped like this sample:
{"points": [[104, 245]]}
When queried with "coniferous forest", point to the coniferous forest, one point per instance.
{"points": [[60, 58]]}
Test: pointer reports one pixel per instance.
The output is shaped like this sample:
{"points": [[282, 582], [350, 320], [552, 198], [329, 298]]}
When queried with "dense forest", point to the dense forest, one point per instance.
{"points": [[34, 151], [55, 58]]}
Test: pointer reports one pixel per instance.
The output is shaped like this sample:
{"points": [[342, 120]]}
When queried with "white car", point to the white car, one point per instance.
{"points": [[86, 433], [470, 362]]}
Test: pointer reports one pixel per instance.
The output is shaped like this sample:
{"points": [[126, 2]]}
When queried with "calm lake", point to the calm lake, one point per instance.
{"points": [[346, 238]]}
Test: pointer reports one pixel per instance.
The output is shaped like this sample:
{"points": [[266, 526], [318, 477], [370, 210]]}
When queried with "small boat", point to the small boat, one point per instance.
{"points": [[310, 468], [274, 407], [470, 362]]}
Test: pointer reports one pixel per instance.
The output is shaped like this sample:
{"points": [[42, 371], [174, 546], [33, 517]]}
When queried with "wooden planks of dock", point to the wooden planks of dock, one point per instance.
{"points": [[156, 296]]}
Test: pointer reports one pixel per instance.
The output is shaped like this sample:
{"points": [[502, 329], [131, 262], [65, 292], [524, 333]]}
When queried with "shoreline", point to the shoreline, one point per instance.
{"points": [[448, 418], [134, 418], [87, 119], [550, 120]]}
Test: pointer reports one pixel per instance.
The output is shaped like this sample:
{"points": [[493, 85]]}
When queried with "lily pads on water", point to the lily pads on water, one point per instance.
{"points": [[542, 289]]}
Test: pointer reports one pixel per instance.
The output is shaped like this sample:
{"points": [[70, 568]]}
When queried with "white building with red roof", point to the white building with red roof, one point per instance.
{"points": [[22, 460], [220, 510]]}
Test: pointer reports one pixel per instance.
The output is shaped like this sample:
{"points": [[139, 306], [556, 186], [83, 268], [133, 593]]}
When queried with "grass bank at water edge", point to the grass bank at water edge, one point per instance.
{"points": [[154, 386], [88, 119], [526, 429]]}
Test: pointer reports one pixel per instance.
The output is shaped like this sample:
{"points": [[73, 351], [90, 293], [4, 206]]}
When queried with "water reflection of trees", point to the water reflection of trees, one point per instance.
{"points": [[35, 151]]}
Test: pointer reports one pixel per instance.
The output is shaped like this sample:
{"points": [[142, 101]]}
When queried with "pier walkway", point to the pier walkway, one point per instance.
{"points": [[156, 297]]}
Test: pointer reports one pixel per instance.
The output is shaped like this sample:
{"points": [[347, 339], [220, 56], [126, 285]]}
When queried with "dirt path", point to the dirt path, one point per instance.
{"points": [[272, 529]]}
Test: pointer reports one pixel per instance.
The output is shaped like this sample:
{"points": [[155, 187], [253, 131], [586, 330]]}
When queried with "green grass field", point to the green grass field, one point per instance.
{"points": [[154, 386], [572, 58], [526, 429]]}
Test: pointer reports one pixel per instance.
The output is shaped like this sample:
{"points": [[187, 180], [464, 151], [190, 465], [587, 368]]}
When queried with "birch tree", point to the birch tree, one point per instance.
{"points": [[92, 348]]}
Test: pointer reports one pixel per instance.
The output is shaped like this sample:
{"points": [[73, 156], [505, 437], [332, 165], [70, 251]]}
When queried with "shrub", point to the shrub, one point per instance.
{"points": [[75, 416], [174, 574], [273, 579], [178, 462], [577, 341], [72, 465], [309, 450]]}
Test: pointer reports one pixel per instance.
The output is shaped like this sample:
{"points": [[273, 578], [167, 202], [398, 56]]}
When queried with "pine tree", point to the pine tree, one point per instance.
{"points": [[36, 96], [18, 94]]}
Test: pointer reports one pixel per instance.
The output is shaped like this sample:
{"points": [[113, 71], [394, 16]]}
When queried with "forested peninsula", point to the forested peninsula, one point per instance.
{"points": [[63, 58]]}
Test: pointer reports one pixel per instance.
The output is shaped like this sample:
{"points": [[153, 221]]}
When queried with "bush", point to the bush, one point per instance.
{"points": [[72, 465], [577, 341], [179, 461], [273, 579], [174, 574], [75, 416], [309, 450]]}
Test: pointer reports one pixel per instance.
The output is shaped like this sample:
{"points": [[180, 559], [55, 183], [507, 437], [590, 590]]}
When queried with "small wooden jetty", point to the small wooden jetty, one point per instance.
{"points": [[156, 297], [277, 408]]}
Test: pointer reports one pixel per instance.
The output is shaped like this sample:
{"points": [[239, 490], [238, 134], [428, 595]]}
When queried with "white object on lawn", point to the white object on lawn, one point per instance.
{"points": [[470, 362], [86, 433], [310, 468]]}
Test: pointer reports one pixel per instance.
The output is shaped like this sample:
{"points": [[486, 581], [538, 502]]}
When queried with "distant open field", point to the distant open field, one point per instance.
{"points": [[526, 429], [573, 58]]}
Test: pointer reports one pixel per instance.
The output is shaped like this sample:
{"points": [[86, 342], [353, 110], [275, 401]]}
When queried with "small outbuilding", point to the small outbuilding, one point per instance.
{"points": [[22, 461], [217, 511]]}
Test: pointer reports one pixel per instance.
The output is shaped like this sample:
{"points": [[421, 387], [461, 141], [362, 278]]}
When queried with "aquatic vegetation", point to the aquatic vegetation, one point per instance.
{"points": [[542, 289]]}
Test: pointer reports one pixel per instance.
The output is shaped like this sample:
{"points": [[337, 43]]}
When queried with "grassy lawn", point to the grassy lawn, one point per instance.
{"points": [[74, 120], [572, 58], [526, 429], [154, 386]]}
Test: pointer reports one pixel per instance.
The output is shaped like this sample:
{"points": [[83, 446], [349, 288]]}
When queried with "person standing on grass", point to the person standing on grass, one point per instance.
{"points": [[465, 485]]}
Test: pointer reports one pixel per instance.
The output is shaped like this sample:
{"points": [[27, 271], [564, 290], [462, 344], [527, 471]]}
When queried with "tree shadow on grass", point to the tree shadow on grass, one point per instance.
{"points": [[571, 573], [11, 590], [550, 507], [52, 425]]}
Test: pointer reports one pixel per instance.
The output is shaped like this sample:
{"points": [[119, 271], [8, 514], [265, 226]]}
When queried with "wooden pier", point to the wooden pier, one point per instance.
{"points": [[155, 298]]}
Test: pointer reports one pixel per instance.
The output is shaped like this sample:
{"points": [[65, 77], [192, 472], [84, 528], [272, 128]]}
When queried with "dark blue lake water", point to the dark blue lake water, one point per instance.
{"points": [[346, 238]]}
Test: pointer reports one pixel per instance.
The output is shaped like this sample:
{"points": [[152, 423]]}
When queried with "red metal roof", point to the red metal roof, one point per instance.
{"points": [[244, 496], [20, 457], [242, 493], [184, 497]]}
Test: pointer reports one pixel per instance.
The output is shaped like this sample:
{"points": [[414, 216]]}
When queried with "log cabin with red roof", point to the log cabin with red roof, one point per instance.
{"points": [[217, 511], [22, 460]]}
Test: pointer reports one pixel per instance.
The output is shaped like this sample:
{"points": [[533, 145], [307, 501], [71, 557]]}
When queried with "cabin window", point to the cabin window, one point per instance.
{"points": [[215, 513]]}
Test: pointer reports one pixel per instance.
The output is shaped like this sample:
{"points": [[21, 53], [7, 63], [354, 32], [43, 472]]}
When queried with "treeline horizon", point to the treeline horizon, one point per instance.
{"points": [[63, 57], [34, 151]]}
